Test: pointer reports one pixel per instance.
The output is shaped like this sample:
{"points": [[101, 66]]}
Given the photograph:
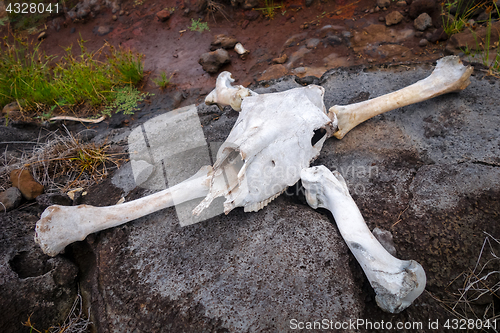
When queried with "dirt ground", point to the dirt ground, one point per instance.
{"points": [[171, 47]]}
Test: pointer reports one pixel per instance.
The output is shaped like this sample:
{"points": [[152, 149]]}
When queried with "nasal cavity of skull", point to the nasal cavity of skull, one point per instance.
{"points": [[232, 167], [318, 135]]}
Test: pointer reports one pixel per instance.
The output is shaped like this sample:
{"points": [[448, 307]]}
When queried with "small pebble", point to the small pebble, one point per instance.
{"points": [[423, 42]]}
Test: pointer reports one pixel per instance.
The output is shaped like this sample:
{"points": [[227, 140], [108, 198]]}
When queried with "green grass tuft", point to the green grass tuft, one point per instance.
{"points": [[39, 83], [163, 81]]}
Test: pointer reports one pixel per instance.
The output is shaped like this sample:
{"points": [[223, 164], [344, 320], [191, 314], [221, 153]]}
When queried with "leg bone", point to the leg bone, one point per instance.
{"points": [[397, 283], [62, 225], [225, 94], [449, 75]]}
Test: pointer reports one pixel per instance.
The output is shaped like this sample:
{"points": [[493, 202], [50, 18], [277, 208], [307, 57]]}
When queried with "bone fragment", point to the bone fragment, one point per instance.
{"points": [[225, 94], [397, 283], [60, 226], [449, 75], [82, 120], [243, 53]]}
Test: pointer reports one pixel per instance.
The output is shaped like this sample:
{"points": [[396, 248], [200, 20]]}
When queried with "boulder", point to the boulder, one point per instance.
{"points": [[32, 284], [393, 18], [383, 3], [10, 199], [254, 272], [312, 43], [163, 15], [237, 273], [213, 61], [473, 40], [23, 180], [422, 22], [223, 41], [438, 36], [273, 72]]}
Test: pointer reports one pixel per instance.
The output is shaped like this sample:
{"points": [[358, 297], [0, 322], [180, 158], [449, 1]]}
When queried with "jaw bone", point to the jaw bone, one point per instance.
{"points": [[397, 283], [450, 75], [225, 94], [62, 225]]}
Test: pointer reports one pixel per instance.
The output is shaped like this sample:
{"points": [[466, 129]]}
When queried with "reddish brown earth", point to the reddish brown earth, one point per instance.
{"points": [[171, 47]]}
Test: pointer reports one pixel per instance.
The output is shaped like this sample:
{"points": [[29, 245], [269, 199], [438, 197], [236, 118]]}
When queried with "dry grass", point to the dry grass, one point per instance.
{"points": [[65, 162], [213, 8], [75, 322], [475, 294]]}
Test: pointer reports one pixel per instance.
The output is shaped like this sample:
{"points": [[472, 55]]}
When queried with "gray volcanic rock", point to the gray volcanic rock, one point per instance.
{"points": [[236, 273], [429, 173], [31, 283], [409, 170]]}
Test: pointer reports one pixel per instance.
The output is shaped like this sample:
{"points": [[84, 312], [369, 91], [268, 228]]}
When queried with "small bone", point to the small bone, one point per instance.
{"points": [[60, 226], [243, 53], [397, 283], [225, 94], [82, 120], [449, 75]]}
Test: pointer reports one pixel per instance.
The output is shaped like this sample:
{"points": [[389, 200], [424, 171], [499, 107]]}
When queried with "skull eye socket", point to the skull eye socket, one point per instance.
{"points": [[318, 135]]}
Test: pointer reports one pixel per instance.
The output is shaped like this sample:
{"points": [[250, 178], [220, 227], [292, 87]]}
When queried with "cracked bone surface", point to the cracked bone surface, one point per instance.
{"points": [[225, 94], [397, 283], [450, 75], [60, 226]]}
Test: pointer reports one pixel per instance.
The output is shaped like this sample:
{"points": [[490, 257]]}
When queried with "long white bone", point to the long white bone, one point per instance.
{"points": [[450, 75], [60, 226], [397, 283], [225, 94]]}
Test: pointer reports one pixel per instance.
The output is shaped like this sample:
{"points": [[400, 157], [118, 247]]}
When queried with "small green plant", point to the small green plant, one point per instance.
{"points": [[163, 81], [197, 25], [483, 46], [126, 99], [455, 23], [4, 20], [269, 8]]}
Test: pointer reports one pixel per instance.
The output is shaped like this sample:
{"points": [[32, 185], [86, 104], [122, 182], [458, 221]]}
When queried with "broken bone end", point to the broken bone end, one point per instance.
{"points": [[412, 285]]}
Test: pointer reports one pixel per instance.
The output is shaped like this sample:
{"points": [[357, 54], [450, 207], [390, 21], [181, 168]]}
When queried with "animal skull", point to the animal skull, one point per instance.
{"points": [[274, 139], [268, 146]]}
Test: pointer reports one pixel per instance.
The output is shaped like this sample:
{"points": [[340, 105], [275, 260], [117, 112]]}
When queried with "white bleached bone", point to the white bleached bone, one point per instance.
{"points": [[271, 142], [450, 75], [225, 94], [397, 283], [60, 226], [242, 52]]}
